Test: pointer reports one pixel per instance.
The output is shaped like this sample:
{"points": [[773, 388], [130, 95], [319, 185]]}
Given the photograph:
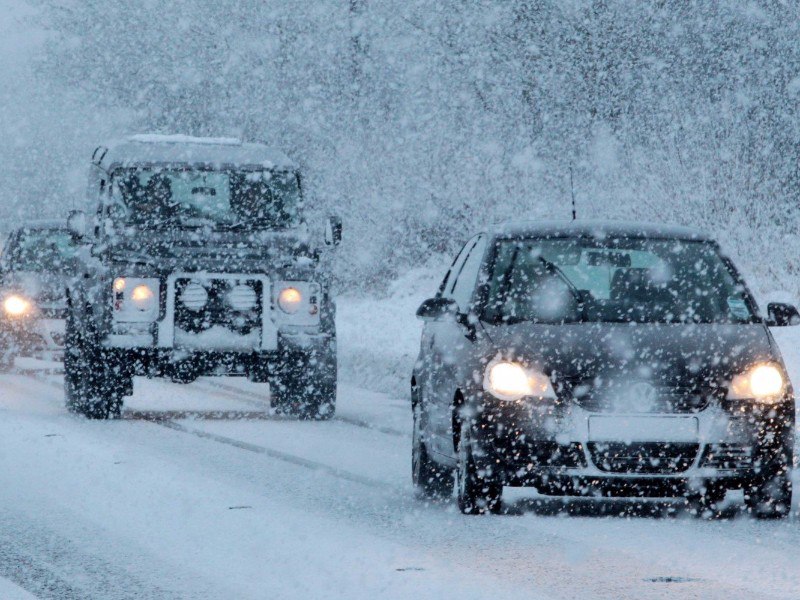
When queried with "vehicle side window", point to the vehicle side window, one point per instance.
{"points": [[8, 250], [465, 284], [446, 288]]}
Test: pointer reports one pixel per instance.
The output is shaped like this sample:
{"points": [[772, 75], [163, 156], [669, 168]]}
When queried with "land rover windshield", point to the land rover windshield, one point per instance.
{"points": [[631, 280], [173, 197]]}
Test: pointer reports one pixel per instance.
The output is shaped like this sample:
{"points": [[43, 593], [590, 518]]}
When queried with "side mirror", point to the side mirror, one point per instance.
{"points": [[333, 231], [780, 314], [76, 223], [436, 308]]}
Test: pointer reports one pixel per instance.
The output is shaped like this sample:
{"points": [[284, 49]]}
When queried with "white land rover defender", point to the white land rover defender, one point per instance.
{"points": [[197, 261]]}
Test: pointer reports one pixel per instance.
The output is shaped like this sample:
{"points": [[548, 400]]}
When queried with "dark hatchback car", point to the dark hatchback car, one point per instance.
{"points": [[601, 359], [34, 267]]}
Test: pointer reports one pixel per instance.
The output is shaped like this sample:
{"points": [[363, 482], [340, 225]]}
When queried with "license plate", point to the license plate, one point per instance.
{"points": [[643, 429]]}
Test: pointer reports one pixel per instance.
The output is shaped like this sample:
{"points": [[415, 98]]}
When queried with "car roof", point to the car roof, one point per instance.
{"points": [[597, 229], [151, 149]]}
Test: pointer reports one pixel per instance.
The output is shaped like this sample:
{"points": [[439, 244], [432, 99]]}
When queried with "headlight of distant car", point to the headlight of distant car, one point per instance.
{"points": [[16, 305], [764, 382], [511, 381], [135, 298]]}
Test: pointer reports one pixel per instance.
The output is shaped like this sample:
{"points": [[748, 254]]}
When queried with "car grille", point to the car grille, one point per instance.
{"points": [[643, 457], [234, 304], [623, 398], [727, 457]]}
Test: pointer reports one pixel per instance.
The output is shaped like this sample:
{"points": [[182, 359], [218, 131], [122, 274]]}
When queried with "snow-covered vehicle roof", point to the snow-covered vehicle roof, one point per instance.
{"points": [[598, 228], [144, 149], [41, 224]]}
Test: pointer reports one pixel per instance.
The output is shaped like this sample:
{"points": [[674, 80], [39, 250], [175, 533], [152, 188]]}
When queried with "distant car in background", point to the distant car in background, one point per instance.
{"points": [[34, 268], [601, 359]]}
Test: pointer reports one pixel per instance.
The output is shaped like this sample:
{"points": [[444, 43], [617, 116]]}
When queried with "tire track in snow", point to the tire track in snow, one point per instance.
{"points": [[280, 455], [166, 419], [238, 393]]}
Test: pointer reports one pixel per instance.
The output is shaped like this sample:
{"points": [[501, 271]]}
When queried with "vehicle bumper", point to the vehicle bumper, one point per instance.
{"points": [[140, 359], [562, 449]]}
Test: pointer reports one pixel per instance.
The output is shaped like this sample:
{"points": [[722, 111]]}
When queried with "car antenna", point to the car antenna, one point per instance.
{"points": [[572, 192]]}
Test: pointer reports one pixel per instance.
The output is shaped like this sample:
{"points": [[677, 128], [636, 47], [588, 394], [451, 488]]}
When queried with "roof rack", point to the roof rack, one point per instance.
{"points": [[157, 138]]}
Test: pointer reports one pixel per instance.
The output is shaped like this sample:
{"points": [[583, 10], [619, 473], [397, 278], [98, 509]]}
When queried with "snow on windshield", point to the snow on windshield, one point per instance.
{"points": [[158, 197], [618, 280]]}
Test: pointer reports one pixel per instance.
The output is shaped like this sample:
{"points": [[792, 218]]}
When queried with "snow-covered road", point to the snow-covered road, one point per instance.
{"points": [[182, 499]]}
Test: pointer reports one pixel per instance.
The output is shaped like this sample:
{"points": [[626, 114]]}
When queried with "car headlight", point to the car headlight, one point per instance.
{"points": [[764, 382], [511, 381], [296, 303], [135, 298], [289, 300], [16, 306], [143, 297]]}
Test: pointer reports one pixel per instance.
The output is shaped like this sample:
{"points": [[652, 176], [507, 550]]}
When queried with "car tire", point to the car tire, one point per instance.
{"points": [[431, 480], [769, 495], [91, 384], [477, 494], [305, 387]]}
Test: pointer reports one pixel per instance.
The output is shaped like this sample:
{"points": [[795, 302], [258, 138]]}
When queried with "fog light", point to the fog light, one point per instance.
{"points": [[242, 297], [194, 296]]}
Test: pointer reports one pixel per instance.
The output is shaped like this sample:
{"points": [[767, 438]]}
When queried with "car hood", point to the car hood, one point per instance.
{"points": [[44, 287], [670, 354], [207, 250]]}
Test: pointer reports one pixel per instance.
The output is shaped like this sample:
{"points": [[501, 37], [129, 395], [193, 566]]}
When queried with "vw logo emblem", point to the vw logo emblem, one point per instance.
{"points": [[644, 393], [637, 397]]}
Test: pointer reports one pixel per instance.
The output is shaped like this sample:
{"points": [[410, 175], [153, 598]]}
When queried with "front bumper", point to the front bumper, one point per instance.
{"points": [[555, 446], [257, 364]]}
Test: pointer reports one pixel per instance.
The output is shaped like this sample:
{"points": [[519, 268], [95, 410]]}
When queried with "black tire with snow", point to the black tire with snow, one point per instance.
{"points": [[93, 385], [431, 480], [477, 492]]}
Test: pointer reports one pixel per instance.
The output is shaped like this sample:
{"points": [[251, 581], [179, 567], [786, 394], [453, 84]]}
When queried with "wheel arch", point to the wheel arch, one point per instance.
{"points": [[456, 415]]}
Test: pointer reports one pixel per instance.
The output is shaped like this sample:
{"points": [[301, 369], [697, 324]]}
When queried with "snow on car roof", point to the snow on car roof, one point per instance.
{"points": [[42, 224], [597, 228], [152, 138], [181, 149]]}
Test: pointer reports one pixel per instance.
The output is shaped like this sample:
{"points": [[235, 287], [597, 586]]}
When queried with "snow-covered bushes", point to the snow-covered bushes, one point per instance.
{"points": [[379, 335], [418, 122]]}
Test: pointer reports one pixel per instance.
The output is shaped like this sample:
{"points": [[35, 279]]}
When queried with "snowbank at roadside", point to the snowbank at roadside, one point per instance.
{"points": [[378, 337]]}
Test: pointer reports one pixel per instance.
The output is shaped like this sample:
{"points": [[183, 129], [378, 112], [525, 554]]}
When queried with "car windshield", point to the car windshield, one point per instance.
{"points": [[157, 197], [41, 250], [614, 280]]}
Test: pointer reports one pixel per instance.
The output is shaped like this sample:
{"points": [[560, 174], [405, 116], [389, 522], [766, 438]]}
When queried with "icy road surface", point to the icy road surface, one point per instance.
{"points": [[185, 499]]}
